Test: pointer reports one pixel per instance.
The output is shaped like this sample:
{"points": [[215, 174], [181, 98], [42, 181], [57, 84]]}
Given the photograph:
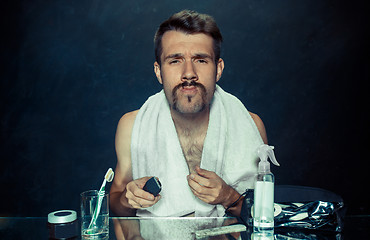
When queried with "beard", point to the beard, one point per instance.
{"points": [[189, 103]]}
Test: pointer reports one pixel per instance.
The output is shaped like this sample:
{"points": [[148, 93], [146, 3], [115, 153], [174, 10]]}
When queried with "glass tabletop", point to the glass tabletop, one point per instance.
{"points": [[356, 227]]}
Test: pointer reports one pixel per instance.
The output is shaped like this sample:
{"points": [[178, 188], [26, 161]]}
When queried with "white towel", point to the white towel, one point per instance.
{"points": [[229, 150]]}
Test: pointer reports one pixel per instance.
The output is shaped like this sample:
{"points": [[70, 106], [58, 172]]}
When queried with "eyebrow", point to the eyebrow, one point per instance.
{"points": [[174, 55], [202, 55], [197, 56]]}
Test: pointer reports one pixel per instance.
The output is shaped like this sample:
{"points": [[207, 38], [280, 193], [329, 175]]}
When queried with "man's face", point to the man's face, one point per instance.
{"points": [[188, 71]]}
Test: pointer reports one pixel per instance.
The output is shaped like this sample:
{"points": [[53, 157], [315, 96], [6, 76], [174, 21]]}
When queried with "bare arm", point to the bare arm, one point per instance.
{"points": [[261, 127], [126, 194], [123, 171]]}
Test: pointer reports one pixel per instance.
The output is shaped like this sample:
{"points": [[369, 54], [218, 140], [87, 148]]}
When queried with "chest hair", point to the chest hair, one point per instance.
{"points": [[192, 148]]}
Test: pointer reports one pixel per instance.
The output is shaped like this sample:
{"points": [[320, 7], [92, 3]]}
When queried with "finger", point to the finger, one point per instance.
{"points": [[204, 173], [140, 193], [142, 203], [145, 203], [207, 174], [132, 201], [202, 181], [198, 189], [134, 189], [141, 181], [204, 197], [135, 196], [135, 205]]}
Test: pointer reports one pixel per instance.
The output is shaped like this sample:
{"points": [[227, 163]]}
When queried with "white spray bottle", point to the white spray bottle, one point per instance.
{"points": [[263, 214]]}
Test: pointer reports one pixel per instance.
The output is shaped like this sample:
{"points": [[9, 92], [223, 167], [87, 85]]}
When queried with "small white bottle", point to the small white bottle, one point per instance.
{"points": [[263, 209]]}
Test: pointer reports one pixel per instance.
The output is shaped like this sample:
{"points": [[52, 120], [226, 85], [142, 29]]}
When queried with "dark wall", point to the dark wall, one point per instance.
{"points": [[70, 69]]}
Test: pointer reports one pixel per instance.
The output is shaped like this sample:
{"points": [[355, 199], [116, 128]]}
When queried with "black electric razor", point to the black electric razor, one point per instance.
{"points": [[153, 186]]}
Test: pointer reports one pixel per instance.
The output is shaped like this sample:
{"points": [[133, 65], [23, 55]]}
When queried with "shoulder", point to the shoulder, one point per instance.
{"points": [[129, 117], [124, 130], [126, 122], [261, 127]]}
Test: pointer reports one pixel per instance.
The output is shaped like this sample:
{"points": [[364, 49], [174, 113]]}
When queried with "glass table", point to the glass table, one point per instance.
{"points": [[356, 227]]}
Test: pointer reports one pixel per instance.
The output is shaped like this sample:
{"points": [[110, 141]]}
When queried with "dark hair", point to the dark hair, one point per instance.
{"points": [[189, 22]]}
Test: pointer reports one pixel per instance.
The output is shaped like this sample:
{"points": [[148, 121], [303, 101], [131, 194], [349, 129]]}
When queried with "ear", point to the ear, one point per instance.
{"points": [[220, 68], [157, 71]]}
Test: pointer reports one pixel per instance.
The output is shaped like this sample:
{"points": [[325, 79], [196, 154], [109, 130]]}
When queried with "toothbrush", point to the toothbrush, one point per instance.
{"points": [[107, 178]]}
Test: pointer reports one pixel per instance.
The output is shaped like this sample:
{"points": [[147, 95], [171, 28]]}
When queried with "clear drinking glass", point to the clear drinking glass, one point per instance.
{"points": [[94, 221]]}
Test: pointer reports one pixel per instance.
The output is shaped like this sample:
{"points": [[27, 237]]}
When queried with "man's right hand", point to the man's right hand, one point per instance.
{"points": [[137, 197]]}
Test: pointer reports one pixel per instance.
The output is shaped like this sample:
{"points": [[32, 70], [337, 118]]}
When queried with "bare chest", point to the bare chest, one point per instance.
{"points": [[192, 149]]}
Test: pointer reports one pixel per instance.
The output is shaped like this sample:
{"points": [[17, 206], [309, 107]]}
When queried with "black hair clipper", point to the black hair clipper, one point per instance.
{"points": [[153, 186]]}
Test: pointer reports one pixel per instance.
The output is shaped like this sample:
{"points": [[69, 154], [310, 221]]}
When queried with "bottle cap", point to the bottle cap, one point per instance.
{"points": [[62, 216], [265, 151]]}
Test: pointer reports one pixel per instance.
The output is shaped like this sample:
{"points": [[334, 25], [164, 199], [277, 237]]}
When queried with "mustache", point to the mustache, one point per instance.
{"points": [[188, 84]]}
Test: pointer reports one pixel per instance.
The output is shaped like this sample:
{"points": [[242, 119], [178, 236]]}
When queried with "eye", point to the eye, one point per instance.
{"points": [[201, 60], [174, 61]]}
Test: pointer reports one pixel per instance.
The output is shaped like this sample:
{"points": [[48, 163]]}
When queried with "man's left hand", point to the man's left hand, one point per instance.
{"points": [[210, 188]]}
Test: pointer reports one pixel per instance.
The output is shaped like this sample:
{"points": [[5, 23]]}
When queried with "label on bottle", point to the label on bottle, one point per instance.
{"points": [[263, 204]]}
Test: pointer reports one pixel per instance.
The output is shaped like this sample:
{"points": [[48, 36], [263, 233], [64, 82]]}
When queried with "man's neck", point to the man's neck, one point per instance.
{"points": [[191, 124]]}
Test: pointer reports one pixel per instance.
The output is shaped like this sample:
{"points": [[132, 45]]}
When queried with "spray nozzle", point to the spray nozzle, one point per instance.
{"points": [[263, 152]]}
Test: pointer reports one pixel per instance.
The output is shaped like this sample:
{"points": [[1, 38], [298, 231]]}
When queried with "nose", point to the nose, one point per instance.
{"points": [[189, 73]]}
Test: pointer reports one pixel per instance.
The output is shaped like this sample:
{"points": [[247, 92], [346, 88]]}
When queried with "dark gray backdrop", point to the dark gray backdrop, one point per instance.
{"points": [[70, 69]]}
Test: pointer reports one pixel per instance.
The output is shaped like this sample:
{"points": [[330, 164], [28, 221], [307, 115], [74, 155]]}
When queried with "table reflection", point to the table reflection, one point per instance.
{"points": [[186, 228], [355, 227], [168, 228]]}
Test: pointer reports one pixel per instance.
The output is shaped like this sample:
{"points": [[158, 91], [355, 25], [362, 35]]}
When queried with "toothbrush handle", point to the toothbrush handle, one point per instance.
{"points": [[103, 185], [98, 207]]}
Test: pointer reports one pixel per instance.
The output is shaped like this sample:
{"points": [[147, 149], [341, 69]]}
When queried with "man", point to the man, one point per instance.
{"points": [[198, 140]]}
